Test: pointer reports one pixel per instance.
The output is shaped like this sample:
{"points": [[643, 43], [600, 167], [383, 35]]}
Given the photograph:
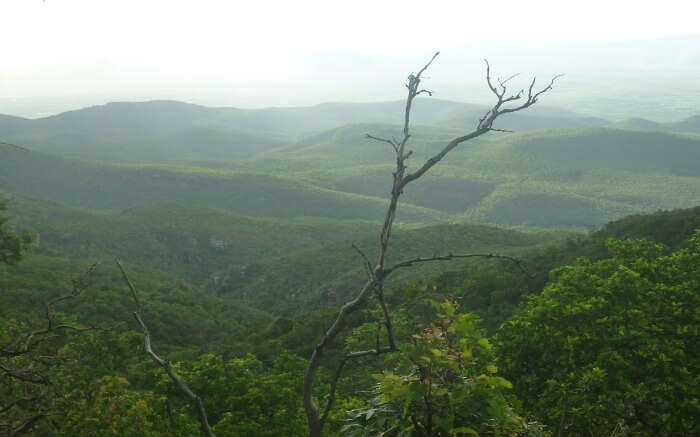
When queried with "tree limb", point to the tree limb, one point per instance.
{"points": [[449, 257], [21, 401], [392, 143], [367, 264], [184, 388], [27, 425]]}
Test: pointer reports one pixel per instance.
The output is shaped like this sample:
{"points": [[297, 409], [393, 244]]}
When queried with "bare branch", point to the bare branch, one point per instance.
{"points": [[331, 392], [412, 261], [387, 318], [184, 388], [27, 425], [425, 67], [505, 81], [438, 157], [412, 85], [339, 370], [488, 79], [486, 122], [367, 264], [392, 143], [134, 295], [24, 401], [24, 344]]}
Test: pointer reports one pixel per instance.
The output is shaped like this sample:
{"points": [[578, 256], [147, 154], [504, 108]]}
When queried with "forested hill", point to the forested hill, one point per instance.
{"points": [[579, 177], [170, 130], [93, 185]]}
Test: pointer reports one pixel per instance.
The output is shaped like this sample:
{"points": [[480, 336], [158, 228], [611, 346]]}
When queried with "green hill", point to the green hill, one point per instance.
{"points": [[571, 177], [158, 130], [195, 243], [169, 130], [617, 150], [329, 275], [688, 125], [579, 177], [103, 186], [533, 119]]}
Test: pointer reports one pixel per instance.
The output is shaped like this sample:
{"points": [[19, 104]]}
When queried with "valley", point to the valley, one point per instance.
{"points": [[245, 230]]}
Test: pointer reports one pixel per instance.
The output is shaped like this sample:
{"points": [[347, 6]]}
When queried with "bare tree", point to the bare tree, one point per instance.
{"points": [[377, 274], [194, 399]]}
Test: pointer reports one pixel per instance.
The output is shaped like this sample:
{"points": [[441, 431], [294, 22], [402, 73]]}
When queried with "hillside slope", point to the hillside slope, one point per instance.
{"points": [[104, 186], [328, 275], [191, 242], [170, 130], [565, 177]]}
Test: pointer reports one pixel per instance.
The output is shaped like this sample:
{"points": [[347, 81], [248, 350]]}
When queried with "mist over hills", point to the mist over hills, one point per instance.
{"points": [[317, 161], [688, 125], [170, 130], [105, 186], [262, 205]]}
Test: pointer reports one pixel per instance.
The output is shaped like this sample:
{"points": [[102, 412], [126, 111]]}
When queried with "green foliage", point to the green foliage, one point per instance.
{"points": [[494, 289], [444, 383], [157, 130], [329, 275], [194, 243], [182, 317], [610, 346], [253, 193], [244, 397]]}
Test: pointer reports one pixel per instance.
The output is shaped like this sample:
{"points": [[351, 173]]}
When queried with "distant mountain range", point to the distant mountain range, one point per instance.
{"points": [[170, 130], [317, 162], [689, 125], [263, 204]]}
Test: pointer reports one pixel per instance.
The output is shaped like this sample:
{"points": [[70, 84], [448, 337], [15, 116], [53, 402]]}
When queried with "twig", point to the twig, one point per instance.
{"points": [[367, 264], [392, 143]]}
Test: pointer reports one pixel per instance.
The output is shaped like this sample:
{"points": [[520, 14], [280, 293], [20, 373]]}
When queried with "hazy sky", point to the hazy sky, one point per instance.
{"points": [[261, 53]]}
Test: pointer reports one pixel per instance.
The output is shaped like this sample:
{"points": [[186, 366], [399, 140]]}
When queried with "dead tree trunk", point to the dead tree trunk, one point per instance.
{"points": [[377, 273]]}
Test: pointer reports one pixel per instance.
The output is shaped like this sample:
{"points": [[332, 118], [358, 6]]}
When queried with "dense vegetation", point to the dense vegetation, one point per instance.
{"points": [[237, 228], [105, 384]]}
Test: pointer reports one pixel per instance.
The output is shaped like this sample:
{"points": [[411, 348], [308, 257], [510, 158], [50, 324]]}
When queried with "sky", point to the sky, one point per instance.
{"points": [[280, 53]]}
